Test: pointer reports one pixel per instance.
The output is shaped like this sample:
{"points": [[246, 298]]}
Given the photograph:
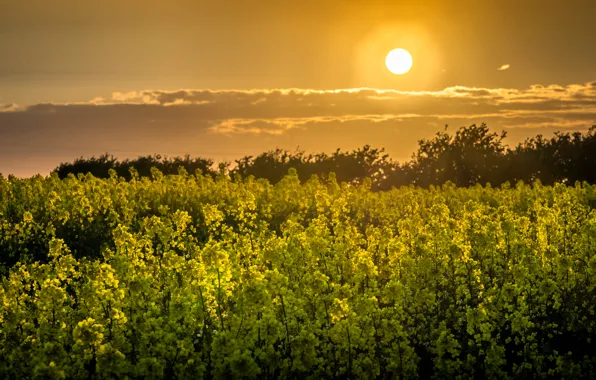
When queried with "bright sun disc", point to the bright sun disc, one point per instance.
{"points": [[399, 61]]}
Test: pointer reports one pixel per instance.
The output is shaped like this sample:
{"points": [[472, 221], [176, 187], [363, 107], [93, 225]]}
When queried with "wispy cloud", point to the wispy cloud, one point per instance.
{"points": [[227, 124], [8, 107], [504, 67]]}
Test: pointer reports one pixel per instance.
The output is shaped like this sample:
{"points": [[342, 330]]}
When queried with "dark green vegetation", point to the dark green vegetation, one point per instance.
{"points": [[192, 276], [473, 155]]}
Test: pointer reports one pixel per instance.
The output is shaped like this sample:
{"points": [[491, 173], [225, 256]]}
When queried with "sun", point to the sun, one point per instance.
{"points": [[399, 61]]}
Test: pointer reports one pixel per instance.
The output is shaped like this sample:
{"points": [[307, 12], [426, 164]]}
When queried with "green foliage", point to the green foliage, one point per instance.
{"points": [[192, 276]]}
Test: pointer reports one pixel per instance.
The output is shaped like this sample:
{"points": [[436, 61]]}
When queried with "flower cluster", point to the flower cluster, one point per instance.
{"points": [[185, 276]]}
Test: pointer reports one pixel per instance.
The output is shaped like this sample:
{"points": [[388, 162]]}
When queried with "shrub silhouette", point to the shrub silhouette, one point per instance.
{"points": [[472, 155], [100, 166], [350, 167]]}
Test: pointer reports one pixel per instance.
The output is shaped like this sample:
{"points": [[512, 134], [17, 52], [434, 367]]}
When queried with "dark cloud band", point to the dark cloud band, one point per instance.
{"points": [[243, 122]]}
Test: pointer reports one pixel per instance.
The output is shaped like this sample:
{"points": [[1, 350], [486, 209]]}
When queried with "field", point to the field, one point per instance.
{"points": [[188, 276]]}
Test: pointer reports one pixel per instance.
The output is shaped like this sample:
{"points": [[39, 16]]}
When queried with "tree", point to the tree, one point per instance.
{"points": [[473, 155]]}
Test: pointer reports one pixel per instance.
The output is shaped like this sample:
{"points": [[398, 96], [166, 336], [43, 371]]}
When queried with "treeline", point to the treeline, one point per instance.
{"points": [[472, 155], [100, 166]]}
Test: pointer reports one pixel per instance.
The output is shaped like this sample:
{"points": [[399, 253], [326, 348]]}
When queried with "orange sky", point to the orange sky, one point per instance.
{"points": [[79, 78]]}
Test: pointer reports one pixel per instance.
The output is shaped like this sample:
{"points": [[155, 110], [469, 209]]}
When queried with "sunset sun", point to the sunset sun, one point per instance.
{"points": [[398, 61]]}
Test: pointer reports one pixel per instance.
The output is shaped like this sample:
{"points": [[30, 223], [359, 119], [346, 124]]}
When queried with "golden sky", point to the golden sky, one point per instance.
{"points": [[223, 79]]}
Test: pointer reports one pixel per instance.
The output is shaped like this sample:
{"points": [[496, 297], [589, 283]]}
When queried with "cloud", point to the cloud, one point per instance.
{"points": [[280, 125], [228, 124], [504, 67], [8, 107]]}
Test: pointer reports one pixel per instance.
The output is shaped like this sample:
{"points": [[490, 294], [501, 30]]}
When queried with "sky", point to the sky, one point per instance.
{"points": [[228, 78]]}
